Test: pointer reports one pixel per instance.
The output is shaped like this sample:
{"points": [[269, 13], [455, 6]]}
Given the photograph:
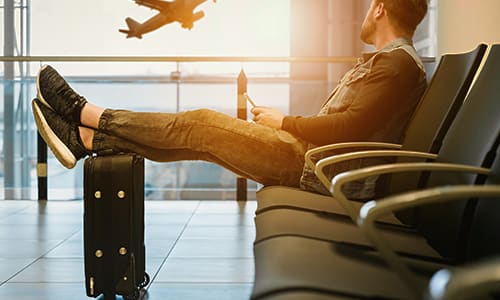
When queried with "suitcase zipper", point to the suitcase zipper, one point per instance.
{"points": [[91, 286]]}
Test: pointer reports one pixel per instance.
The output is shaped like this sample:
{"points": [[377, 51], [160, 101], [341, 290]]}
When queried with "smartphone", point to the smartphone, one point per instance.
{"points": [[252, 103]]}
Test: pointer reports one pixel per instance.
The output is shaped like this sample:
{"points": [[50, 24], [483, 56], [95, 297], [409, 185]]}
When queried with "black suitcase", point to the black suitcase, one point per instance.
{"points": [[114, 226]]}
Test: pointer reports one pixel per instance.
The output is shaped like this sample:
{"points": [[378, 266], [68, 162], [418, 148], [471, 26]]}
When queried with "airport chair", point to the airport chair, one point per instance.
{"points": [[292, 264], [325, 225], [321, 264], [480, 102], [476, 281], [432, 118], [319, 270]]}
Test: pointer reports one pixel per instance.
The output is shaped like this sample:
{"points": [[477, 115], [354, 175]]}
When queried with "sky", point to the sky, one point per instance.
{"points": [[90, 27]]}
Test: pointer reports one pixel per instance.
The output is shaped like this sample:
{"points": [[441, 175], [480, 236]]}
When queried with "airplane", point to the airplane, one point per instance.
{"points": [[181, 11]]}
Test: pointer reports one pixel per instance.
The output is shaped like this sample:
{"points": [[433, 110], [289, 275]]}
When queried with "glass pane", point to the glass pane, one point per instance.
{"points": [[236, 28]]}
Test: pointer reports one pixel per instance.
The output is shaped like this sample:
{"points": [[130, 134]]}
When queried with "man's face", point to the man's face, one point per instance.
{"points": [[369, 26]]}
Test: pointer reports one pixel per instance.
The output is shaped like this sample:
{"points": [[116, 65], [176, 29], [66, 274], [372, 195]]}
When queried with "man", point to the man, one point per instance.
{"points": [[373, 102]]}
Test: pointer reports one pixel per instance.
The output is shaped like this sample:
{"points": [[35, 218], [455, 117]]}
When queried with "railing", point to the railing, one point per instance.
{"points": [[275, 59]]}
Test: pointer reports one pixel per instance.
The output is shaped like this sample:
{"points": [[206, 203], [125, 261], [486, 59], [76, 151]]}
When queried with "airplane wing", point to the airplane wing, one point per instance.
{"points": [[192, 4], [164, 5], [188, 23], [155, 4]]}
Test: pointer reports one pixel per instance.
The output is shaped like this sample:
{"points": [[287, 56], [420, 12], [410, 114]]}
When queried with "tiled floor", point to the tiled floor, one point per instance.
{"points": [[195, 250]]}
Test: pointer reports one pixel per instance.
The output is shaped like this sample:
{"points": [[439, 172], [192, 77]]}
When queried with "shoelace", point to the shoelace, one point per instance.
{"points": [[66, 92]]}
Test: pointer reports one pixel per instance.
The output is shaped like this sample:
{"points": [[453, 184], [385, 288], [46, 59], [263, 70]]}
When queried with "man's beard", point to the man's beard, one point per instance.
{"points": [[368, 30]]}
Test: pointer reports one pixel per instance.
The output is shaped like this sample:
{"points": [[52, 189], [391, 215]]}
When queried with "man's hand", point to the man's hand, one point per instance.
{"points": [[268, 116]]}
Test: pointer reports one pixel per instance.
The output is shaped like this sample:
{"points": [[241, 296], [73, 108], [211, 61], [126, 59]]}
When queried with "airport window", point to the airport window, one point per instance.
{"points": [[230, 28]]}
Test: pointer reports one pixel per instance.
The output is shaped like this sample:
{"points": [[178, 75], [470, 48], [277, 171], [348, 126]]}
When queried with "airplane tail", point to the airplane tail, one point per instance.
{"points": [[132, 28]]}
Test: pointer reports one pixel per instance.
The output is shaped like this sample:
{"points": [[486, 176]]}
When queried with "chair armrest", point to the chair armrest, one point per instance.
{"points": [[471, 282], [372, 210], [320, 165], [342, 178], [323, 178], [309, 154]]}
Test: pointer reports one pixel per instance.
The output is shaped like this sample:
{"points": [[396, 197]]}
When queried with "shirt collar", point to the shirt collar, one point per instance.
{"points": [[394, 44]]}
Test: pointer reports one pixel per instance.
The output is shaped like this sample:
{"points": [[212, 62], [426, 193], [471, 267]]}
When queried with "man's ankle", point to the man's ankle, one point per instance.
{"points": [[87, 137]]}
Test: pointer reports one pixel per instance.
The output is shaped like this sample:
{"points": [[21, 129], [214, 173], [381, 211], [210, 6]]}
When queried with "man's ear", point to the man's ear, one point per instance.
{"points": [[380, 10]]}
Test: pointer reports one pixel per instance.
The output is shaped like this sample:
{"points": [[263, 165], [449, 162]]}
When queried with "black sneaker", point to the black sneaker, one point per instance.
{"points": [[55, 92], [61, 136]]}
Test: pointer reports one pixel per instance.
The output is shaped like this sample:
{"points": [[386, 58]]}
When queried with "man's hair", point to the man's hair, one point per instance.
{"points": [[406, 14]]}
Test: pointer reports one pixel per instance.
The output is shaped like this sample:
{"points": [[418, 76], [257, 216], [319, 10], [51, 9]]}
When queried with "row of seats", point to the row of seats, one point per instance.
{"points": [[433, 224]]}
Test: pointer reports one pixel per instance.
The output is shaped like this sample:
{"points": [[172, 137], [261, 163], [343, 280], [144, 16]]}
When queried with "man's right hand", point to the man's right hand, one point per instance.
{"points": [[268, 116]]}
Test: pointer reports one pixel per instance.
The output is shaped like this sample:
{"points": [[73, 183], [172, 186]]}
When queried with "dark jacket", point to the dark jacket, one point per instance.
{"points": [[373, 102]]}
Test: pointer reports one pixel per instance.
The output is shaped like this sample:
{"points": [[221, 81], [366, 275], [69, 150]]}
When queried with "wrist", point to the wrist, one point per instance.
{"points": [[284, 121]]}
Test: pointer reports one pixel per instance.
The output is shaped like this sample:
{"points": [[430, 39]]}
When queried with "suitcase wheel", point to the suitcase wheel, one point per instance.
{"points": [[146, 281], [137, 292]]}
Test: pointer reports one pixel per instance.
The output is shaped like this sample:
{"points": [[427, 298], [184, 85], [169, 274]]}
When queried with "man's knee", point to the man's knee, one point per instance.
{"points": [[206, 115], [204, 112]]}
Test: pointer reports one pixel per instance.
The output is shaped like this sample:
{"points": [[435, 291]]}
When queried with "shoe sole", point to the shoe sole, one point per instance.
{"points": [[60, 150], [38, 91]]}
